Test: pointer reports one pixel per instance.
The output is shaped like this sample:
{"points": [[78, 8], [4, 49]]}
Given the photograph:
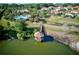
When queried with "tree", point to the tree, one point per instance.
{"points": [[1, 14]]}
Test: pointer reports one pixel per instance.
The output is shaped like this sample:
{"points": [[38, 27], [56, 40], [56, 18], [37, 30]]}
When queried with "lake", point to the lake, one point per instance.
{"points": [[31, 47]]}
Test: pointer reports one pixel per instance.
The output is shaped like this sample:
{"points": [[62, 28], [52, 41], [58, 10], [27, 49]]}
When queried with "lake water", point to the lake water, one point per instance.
{"points": [[32, 47]]}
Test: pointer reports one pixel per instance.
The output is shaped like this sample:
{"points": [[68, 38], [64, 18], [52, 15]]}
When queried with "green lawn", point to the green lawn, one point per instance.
{"points": [[31, 47]]}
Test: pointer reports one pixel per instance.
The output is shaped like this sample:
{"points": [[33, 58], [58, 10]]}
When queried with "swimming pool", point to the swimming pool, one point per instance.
{"points": [[21, 17]]}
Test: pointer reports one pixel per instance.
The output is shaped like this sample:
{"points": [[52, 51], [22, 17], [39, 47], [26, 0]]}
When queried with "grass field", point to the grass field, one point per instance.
{"points": [[62, 20]]}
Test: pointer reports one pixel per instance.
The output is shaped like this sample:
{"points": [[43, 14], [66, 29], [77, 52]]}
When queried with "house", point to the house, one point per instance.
{"points": [[21, 11], [44, 8]]}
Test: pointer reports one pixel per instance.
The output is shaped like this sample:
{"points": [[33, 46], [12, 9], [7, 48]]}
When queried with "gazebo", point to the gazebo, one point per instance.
{"points": [[39, 36]]}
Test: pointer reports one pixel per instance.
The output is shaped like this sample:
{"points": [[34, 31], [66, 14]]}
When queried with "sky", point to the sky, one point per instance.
{"points": [[39, 1]]}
